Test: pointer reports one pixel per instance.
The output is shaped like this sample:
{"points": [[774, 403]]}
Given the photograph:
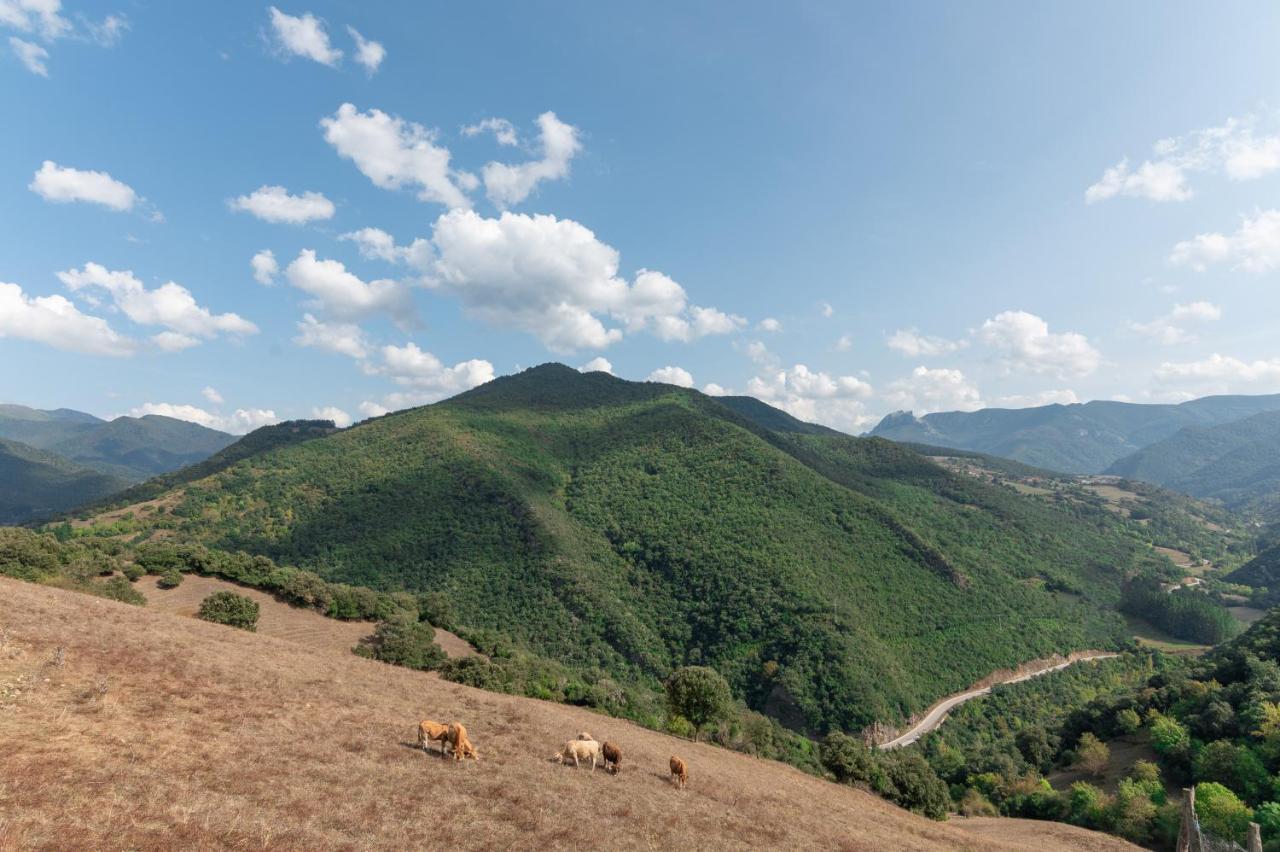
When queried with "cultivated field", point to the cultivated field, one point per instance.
{"points": [[153, 731]]}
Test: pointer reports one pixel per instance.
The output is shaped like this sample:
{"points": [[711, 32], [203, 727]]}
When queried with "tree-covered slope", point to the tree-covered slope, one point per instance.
{"points": [[35, 484], [1078, 438], [627, 528], [1236, 463]]}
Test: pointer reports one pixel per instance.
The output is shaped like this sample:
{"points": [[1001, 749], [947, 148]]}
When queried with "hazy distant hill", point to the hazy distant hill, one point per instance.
{"points": [[131, 448], [1237, 463], [36, 484], [624, 528], [1079, 438]]}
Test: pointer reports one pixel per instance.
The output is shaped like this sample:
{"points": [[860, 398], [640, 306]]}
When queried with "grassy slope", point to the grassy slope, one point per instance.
{"points": [[159, 731], [36, 483], [634, 527]]}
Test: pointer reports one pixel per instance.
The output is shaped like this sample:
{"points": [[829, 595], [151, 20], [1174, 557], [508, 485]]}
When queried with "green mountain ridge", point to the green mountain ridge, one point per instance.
{"points": [[627, 528], [36, 484]]}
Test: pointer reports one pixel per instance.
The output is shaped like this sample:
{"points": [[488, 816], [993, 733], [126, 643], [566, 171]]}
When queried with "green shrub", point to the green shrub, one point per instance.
{"points": [[477, 672], [701, 695], [402, 640], [230, 609], [119, 589], [133, 573], [1221, 812], [170, 579]]}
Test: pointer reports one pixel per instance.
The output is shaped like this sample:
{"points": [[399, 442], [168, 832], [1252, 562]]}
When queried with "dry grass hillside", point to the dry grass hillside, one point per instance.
{"points": [[125, 728]]}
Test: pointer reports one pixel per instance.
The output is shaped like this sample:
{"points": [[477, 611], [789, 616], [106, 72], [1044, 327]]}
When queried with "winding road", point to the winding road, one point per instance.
{"points": [[937, 714]]}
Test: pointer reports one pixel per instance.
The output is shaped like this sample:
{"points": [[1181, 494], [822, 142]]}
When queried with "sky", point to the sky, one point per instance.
{"points": [[237, 213]]}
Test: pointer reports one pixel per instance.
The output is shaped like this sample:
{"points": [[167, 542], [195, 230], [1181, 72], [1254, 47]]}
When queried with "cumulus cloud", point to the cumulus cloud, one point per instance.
{"points": [[503, 131], [342, 294], [427, 376], [173, 341], [394, 153], [56, 322], [597, 364], [713, 389], [369, 53], [372, 409], [913, 344], [240, 421], [507, 185], [672, 376], [814, 396], [769, 324], [377, 244], [303, 36], [265, 267], [1234, 148], [212, 395], [40, 17], [275, 204], [169, 305], [340, 418], [58, 184], [1223, 369], [1026, 343], [1254, 247], [1171, 328], [553, 278], [342, 338], [933, 389], [31, 55]]}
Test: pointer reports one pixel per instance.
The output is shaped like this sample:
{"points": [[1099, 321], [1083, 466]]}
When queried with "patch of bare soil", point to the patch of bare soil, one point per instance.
{"points": [[149, 731]]}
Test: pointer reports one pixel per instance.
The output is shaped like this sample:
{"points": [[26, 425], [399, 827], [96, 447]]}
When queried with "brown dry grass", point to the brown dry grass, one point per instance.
{"points": [[162, 732]]}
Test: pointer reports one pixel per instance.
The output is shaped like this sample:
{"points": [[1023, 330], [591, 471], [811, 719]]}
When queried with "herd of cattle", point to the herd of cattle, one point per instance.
{"points": [[585, 747]]}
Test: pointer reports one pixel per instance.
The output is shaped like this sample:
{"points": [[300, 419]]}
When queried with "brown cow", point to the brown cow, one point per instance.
{"points": [[612, 757], [679, 772], [429, 731], [462, 746]]}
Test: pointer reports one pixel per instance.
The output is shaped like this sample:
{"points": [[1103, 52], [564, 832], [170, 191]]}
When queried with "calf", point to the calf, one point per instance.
{"points": [[679, 772]]}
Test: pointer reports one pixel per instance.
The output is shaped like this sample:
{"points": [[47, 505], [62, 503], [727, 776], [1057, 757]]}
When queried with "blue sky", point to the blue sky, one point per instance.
{"points": [[845, 209]]}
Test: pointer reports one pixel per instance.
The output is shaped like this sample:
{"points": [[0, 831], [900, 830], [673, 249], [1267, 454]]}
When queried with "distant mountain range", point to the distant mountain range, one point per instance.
{"points": [[1080, 438], [34, 483]]}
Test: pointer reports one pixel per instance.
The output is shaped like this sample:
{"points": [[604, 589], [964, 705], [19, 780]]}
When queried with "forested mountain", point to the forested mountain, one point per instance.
{"points": [[1236, 463], [34, 483], [1078, 438], [626, 528], [131, 448]]}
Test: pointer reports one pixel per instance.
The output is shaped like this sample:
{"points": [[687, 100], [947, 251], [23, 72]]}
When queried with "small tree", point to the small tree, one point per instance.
{"points": [[402, 640], [1221, 811], [230, 609], [170, 579], [1092, 755], [133, 573], [1128, 720], [700, 695], [1168, 737]]}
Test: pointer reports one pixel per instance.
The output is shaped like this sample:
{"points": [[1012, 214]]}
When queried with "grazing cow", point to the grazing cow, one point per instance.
{"points": [[462, 746], [429, 731], [612, 757], [679, 772], [579, 750]]}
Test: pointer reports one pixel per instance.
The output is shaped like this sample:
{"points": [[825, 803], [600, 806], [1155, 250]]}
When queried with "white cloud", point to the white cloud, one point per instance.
{"points": [[372, 409], [275, 204], [1232, 148], [507, 184], [242, 420], [110, 31], [265, 267], [1170, 329], [170, 305], [816, 397], [1027, 344], [426, 374], [55, 321], [212, 395], [844, 343], [672, 376], [344, 295], [369, 53], [597, 364], [827, 310], [340, 418], [394, 153], [553, 278], [912, 344], [503, 131], [760, 354], [1254, 247], [172, 341], [713, 389], [303, 36], [927, 390], [1063, 396], [377, 244], [1221, 368], [343, 338], [31, 55], [55, 183], [42, 17], [769, 324]]}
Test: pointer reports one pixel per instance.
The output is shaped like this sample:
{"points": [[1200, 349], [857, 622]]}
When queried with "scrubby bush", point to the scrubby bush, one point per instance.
{"points": [[1221, 811], [701, 695], [170, 579], [133, 573], [477, 672], [1092, 755], [437, 609], [974, 804], [119, 589], [230, 609], [402, 640]]}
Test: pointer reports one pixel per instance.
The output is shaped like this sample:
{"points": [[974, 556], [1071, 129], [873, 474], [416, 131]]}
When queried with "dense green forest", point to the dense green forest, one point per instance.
{"points": [[1184, 613], [35, 484], [624, 529]]}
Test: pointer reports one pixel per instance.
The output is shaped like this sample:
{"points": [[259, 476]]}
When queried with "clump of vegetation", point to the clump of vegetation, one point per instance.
{"points": [[1185, 613], [133, 573], [170, 578], [119, 589], [230, 609], [701, 695], [902, 776], [404, 641]]}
